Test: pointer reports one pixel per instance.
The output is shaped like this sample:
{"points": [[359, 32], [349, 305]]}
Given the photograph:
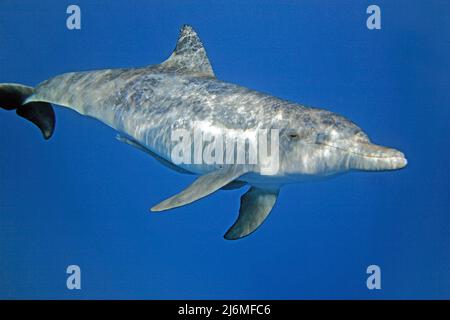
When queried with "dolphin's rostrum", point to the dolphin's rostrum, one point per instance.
{"points": [[146, 105]]}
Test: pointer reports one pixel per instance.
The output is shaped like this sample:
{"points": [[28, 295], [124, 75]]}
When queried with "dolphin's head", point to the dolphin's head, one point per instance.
{"points": [[318, 142]]}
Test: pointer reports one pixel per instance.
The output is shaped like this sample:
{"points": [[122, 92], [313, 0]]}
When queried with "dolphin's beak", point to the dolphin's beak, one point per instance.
{"points": [[371, 157]]}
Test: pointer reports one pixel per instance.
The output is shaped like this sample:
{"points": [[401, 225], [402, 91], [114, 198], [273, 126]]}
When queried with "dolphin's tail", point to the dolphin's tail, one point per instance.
{"points": [[13, 97]]}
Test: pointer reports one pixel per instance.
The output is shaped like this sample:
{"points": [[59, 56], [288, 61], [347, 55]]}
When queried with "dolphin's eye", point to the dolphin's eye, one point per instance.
{"points": [[294, 136]]}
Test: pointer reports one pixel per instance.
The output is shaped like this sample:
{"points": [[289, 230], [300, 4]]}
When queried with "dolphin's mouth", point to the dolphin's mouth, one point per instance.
{"points": [[371, 157]]}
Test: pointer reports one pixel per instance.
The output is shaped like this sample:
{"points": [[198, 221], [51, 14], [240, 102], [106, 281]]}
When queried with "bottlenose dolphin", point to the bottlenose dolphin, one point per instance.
{"points": [[147, 105]]}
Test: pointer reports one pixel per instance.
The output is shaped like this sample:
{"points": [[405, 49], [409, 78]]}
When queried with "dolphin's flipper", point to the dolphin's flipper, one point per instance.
{"points": [[256, 205], [203, 186], [236, 184], [189, 56]]}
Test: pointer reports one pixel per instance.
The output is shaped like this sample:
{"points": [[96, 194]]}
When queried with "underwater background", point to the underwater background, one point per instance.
{"points": [[82, 198]]}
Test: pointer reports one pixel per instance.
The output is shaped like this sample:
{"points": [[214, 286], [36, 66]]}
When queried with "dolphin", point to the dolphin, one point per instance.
{"points": [[147, 105]]}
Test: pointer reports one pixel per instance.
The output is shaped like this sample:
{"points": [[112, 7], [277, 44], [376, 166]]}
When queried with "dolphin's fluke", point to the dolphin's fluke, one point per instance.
{"points": [[256, 205], [203, 186], [13, 96]]}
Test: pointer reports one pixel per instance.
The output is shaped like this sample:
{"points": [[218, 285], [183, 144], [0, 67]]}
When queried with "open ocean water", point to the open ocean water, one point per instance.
{"points": [[82, 198]]}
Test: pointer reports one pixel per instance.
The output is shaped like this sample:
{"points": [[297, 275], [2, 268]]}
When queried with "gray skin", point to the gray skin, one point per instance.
{"points": [[147, 104]]}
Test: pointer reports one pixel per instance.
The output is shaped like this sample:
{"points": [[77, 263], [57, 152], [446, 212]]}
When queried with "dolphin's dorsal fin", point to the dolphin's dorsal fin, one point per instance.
{"points": [[189, 56]]}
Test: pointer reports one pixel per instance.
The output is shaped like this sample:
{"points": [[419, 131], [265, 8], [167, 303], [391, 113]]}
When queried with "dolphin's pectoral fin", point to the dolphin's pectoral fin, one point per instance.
{"points": [[203, 186], [161, 160], [236, 184], [256, 205], [189, 56]]}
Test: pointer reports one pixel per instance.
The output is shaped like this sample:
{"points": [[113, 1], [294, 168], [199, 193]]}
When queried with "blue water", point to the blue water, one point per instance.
{"points": [[82, 197]]}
